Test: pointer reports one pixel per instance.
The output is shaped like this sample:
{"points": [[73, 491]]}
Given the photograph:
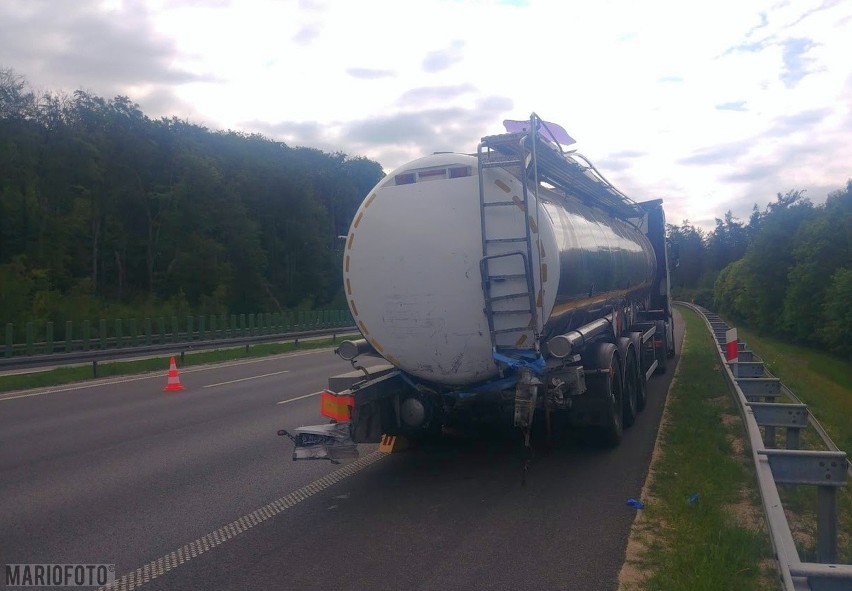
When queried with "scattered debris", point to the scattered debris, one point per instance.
{"points": [[635, 503]]}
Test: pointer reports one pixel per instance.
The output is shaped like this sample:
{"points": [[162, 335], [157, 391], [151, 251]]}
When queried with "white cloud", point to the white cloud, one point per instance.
{"points": [[710, 106]]}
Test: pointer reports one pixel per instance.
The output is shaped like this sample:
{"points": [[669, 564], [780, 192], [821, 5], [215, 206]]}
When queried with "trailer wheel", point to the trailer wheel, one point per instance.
{"points": [[671, 351], [632, 385], [642, 387], [607, 386], [661, 352]]}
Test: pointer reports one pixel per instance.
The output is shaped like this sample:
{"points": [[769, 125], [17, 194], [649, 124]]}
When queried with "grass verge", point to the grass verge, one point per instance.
{"points": [[66, 375], [717, 540]]}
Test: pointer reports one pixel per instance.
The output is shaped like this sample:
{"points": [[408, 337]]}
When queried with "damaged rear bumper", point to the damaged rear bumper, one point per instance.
{"points": [[332, 441]]}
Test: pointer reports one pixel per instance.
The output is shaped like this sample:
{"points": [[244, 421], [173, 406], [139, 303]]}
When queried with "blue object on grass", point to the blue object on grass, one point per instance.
{"points": [[635, 503]]}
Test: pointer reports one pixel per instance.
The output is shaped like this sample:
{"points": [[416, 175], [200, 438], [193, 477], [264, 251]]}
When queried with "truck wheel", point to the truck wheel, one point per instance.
{"points": [[631, 389], [661, 352], [671, 337], [641, 390], [607, 387]]}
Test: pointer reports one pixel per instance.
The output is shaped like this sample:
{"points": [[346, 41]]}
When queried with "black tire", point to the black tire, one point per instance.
{"points": [[631, 389], [661, 352], [607, 386], [642, 390], [671, 338]]}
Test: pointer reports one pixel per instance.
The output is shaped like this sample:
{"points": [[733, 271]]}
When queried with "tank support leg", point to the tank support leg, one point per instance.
{"points": [[526, 394]]}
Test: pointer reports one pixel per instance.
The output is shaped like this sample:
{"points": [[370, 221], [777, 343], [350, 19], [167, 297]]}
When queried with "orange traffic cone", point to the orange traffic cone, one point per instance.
{"points": [[173, 384]]}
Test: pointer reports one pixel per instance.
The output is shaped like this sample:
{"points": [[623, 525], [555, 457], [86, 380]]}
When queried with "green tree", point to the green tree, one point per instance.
{"points": [[102, 208], [771, 255], [835, 328]]}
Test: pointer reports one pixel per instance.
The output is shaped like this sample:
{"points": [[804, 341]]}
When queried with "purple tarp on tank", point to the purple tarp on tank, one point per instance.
{"points": [[548, 132]]}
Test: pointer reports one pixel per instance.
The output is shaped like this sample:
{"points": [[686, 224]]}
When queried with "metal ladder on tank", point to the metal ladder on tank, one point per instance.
{"points": [[521, 318], [535, 161]]}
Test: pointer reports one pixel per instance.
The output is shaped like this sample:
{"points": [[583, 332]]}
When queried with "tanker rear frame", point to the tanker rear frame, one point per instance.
{"points": [[593, 377]]}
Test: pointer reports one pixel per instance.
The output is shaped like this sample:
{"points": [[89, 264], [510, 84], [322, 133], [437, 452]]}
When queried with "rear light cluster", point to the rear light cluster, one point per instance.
{"points": [[432, 174]]}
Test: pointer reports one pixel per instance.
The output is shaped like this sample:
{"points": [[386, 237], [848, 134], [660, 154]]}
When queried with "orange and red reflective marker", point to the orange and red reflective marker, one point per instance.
{"points": [[336, 407]]}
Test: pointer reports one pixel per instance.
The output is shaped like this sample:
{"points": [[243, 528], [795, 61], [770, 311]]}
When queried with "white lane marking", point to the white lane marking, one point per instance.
{"points": [[187, 552], [299, 398], [22, 396], [210, 366], [159, 375], [82, 387], [265, 375]]}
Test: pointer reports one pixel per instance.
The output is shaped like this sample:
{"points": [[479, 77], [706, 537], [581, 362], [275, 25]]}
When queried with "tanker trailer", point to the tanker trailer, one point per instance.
{"points": [[504, 286]]}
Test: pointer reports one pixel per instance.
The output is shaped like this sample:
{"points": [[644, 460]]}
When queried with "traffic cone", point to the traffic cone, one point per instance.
{"points": [[173, 384]]}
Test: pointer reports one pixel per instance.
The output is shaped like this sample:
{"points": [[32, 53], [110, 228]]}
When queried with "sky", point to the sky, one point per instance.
{"points": [[711, 106]]}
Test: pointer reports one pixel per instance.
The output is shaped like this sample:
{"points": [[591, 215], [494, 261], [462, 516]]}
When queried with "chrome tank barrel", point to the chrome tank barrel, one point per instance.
{"points": [[600, 259], [411, 265]]}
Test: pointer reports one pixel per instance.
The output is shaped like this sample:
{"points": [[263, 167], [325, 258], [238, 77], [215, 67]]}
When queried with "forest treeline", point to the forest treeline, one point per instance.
{"points": [[787, 271], [105, 212]]}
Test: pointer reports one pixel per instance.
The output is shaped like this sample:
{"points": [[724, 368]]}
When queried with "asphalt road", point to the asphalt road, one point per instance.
{"points": [[118, 471], [193, 490]]}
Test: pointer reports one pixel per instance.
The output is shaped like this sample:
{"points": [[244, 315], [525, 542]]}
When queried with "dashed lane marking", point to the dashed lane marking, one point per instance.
{"points": [[298, 398], [265, 375], [172, 560], [158, 375]]}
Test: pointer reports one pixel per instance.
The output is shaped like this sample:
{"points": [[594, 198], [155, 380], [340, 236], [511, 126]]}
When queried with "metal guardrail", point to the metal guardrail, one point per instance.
{"points": [[93, 356], [120, 333], [757, 393]]}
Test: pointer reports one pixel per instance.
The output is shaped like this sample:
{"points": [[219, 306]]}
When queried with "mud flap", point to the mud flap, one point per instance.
{"points": [[331, 442]]}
